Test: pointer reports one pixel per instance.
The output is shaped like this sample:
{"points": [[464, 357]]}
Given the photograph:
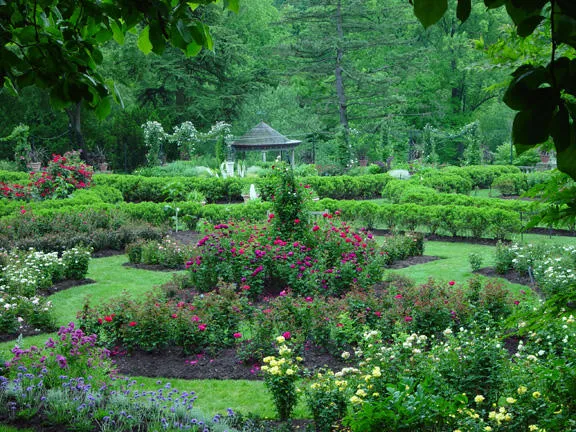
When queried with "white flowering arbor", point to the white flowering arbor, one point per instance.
{"points": [[263, 138]]}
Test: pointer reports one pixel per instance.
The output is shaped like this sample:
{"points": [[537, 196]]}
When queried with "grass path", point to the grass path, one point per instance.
{"points": [[112, 280], [453, 263]]}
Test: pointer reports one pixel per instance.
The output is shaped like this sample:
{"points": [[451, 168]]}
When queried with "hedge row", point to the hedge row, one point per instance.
{"points": [[451, 219], [481, 176], [217, 190], [402, 192]]}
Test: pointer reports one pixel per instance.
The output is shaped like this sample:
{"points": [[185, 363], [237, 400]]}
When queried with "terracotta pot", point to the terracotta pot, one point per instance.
{"points": [[103, 166]]}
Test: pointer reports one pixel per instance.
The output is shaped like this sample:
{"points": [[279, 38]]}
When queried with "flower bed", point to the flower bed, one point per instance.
{"points": [[328, 261], [67, 383], [60, 178], [23, 277], [552, 267]]}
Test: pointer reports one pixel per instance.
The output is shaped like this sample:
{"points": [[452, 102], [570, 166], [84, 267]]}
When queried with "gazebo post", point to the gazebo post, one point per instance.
{"points": [[292, 159], [263, 156]]}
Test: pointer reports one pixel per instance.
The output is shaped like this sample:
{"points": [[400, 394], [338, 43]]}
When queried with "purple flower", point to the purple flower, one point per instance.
{"points": [[62, 361]]}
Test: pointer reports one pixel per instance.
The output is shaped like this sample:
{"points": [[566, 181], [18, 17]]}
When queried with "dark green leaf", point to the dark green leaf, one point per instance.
{"points": [[429, 12], [527, 27], [491, 4], [522, 11], [144, 41], [157, 38], [463, 9], [561, 130], [530, 89], [568, 7], [565, 30], [103, 35], [531, 127], [565, 72], [59, 98], [183, 31]]}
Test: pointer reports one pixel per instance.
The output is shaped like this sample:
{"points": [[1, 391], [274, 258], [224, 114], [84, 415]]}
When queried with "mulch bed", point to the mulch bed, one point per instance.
{"points": [[174, 363], [512, 276], [153, 267], [415, 260], [64, 285]]}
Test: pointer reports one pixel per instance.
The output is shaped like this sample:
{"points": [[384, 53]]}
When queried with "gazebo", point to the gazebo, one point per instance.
{"points": [[263, 138]]}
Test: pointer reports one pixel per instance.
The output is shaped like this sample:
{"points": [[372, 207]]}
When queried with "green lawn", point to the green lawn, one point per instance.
{"points": [[453, 263], [112, 279]]}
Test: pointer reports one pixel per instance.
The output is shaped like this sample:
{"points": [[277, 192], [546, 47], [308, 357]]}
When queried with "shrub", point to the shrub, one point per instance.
{"points": [[511, 184], [475, 260], [280, 375], [329, 262], [452, 183], [76, 261], [326, 401]]}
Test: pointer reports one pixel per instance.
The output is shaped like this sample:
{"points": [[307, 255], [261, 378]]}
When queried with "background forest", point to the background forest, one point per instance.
{"points": [[352, 79]]}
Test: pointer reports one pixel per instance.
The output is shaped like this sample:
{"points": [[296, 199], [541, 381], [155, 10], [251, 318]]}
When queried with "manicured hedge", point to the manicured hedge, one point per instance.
{"points": [[482, 176], [403, 192], [217, 190], [14, 177], [453, 220]]}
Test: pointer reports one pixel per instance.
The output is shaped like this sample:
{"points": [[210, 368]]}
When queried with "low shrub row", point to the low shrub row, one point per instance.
{"points": [[103, 226], [217, 190], [167, 253], [99, 227], [481, 176], [402, 192], [454, 220]]}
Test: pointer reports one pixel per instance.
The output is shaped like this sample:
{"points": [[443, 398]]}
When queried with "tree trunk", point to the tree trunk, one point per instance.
{"points": [[342, 107], [75, 126]]}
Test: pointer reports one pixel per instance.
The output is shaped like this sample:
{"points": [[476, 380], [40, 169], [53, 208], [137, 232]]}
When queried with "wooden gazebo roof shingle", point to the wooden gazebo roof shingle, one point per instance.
{"points": [[262, 137]]}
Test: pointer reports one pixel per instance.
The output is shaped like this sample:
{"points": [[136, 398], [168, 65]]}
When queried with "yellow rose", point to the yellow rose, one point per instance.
{"points": [[510, 400], [479, 399], [532, 428], [289, 371], [536, 395], [356, 400], [522, 390], [280, 340]]}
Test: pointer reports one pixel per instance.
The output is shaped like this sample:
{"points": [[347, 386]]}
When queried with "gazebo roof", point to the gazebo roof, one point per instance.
{"points": [[263, 137]]}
